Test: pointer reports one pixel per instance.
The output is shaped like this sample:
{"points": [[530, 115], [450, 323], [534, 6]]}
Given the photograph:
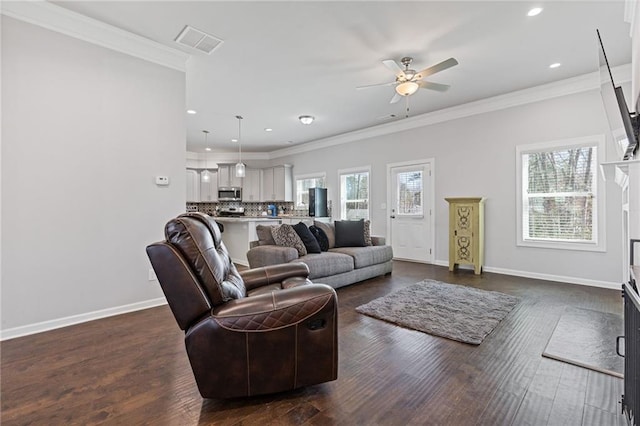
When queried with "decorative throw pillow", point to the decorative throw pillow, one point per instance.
{"points": [[309, 241], [329, 231], [321, 237], [264, 235], [349, 233], [367, 233], [285, 235]]}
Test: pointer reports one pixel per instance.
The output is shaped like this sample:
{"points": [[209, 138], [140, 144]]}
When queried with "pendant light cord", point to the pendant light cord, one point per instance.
{"points": [[239, 117]]}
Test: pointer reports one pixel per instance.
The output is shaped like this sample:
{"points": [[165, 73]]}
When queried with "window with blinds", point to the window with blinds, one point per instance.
{"points": [[409, 193], [559, 194], [354, 195]]}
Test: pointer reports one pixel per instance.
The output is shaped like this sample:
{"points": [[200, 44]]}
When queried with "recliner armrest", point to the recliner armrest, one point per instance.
{"points": [[258, 277], [277, 309]]}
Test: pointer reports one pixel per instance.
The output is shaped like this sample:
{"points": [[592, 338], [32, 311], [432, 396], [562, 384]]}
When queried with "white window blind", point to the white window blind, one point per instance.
{"points": [[410, 193], [354, 195], [559, 191]]}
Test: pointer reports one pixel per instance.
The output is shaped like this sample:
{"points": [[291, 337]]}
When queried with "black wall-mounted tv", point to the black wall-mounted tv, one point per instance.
{"points": [[623, 125]]}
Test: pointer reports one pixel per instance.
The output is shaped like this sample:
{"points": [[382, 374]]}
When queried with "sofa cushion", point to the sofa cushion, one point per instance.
{"points": [[327, 263], [265, 238], [285, 235], [321, 237], [309, 241], [329, 230], [366, 256], [349, 233]]}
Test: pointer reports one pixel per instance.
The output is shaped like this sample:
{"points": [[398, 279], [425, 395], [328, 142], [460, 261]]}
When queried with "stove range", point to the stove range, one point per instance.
{"points": [[231, 212]]}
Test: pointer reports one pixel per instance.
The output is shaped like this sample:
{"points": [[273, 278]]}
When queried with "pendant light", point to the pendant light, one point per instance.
{"points": [[240, 167], [205, 175]]}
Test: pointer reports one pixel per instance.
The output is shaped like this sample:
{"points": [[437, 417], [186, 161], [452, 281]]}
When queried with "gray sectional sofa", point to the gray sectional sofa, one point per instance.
{"points": [[337, 267]]}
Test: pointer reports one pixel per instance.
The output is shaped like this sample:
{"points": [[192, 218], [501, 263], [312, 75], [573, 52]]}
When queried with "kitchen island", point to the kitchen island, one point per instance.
{"points": [[240, 231]]}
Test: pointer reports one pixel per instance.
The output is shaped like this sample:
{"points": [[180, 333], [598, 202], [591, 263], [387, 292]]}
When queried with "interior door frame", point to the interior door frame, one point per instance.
{"points": [[432, 213]]}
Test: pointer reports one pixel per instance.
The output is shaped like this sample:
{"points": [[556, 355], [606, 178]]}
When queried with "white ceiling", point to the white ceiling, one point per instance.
{"points": [[283, 59]]}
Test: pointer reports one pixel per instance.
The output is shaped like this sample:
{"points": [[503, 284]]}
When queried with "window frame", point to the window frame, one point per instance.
{"points": [[349, 171], [296, 178], [599, 205]]}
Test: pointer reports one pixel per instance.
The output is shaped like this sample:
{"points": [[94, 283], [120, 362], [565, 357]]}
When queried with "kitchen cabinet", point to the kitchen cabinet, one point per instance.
{"points": [[251, 185], [193, 186], [208, 185], [466, 232], [277, 183], [227, 176]]}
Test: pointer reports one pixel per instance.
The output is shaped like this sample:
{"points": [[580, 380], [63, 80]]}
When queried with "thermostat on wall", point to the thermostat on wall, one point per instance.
{"points": [[162, 180]]}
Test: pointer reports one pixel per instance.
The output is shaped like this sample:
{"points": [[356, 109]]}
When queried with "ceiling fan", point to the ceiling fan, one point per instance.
{"points": [[408, 81]]}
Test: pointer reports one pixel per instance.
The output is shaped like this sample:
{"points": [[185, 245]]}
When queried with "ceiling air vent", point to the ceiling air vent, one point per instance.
{"points": [[197, 39]]}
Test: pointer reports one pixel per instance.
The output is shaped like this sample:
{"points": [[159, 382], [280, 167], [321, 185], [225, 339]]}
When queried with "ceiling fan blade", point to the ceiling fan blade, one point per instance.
{"points": [[395, 98], [433, 86], [375, 85], [451, 62], [392, 65]]}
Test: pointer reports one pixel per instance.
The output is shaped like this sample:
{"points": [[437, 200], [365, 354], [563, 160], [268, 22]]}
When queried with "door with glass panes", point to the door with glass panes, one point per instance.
{"points": [[410, 212]]}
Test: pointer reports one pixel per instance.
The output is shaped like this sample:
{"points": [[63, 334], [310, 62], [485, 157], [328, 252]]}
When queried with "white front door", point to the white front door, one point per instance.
{"points": [[410, 212]]}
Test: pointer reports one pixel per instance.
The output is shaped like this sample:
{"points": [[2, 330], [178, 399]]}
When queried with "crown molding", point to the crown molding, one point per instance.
{"points": [[59, 19], [570, 86], [226, 156]]}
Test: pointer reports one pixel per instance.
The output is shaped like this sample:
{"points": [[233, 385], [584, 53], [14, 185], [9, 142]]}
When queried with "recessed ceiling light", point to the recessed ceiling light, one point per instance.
{"points": [[234, 140], [555, 65], [207, 149], [191, 111], [535, 11], [268, 129], [306, 119]]}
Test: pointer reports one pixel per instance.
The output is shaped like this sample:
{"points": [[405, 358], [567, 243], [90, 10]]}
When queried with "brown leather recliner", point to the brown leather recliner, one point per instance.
{"points": [[247, 333]]}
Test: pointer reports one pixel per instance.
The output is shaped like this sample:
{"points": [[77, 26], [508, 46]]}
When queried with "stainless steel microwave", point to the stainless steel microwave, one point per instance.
{"points": [[229, 194]]}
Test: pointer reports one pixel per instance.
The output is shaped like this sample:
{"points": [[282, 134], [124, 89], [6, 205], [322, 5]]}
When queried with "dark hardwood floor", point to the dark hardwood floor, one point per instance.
{"points": [[132, 369]]}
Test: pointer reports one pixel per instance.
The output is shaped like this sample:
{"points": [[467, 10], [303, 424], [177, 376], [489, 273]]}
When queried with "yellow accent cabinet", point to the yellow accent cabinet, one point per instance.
{"points": [[466, 232]]}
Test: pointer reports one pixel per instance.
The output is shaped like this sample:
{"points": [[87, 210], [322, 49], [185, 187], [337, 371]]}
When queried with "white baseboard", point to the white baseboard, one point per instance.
{"points": [[546, 277], [40, 327]]}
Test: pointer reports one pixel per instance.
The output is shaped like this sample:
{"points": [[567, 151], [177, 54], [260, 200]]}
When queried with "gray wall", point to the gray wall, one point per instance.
{"points": [[475, 156], [84, 131]]}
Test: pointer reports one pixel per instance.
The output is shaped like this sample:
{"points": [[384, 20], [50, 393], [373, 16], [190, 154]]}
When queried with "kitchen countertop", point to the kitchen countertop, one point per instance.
{"points": [[245, 218], [258, 218]]}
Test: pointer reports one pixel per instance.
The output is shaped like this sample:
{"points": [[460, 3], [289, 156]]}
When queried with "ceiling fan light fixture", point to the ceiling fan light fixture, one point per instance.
{"points": [[306, 119], [407, 88], [409, 74]]}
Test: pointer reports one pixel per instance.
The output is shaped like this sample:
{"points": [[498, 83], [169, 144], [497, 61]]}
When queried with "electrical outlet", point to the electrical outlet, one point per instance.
{"points": [[152, 275]]}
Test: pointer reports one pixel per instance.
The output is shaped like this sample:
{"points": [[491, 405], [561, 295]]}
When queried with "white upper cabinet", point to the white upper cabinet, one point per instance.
{"points": [[277, 183], [251, 185], [208, 185], [193, 186], [227, 176]]}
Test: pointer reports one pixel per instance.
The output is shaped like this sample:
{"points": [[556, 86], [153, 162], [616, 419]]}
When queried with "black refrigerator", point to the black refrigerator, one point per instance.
{"points": [[318, 202]]}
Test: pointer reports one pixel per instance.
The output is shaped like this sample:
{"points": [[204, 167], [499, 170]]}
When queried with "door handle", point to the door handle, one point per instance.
{"points": [[392, 216]]}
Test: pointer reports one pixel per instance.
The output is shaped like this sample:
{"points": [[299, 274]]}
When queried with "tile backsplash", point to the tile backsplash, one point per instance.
{"points": [[250, 209]]}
